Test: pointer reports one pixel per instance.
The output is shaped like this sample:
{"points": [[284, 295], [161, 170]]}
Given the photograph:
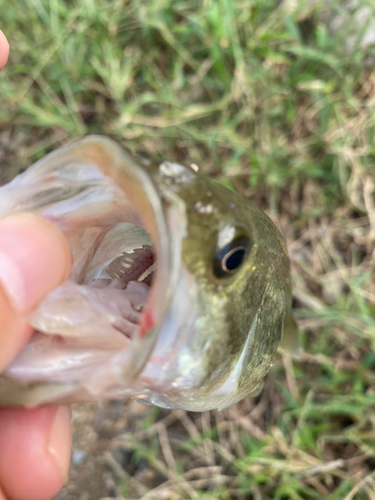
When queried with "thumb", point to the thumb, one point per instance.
{"points": [[4, 50], [34, 258]]}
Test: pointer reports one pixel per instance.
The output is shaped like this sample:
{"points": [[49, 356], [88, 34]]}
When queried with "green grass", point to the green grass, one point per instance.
{"points": [[270, 102]]}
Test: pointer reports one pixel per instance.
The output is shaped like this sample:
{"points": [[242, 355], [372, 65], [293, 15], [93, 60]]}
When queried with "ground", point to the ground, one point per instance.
{"points": [[268, 100]]}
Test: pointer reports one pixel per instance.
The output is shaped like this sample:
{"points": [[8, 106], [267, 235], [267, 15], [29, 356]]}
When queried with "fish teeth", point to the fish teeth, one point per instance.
{"points": [[122, 263], [148, 271], [131, 266]]}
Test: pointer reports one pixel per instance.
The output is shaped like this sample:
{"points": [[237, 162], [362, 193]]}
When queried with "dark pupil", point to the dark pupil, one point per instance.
{"points": [[234, 259], [231, 256]]}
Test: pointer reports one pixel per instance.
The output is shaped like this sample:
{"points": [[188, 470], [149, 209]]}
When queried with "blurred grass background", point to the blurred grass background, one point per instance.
{"points": [[268, 99]]}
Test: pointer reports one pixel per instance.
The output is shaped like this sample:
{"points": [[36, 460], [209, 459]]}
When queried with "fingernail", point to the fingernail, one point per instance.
{"points": [[59, 441], [34, 258]]}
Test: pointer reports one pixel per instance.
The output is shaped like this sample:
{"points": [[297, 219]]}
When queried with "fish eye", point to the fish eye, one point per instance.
{"points": [[231, 251]]}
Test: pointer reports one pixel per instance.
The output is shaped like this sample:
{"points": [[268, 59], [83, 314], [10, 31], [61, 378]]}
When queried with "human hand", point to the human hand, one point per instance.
{"points": [[4, 50], [34, 444]]}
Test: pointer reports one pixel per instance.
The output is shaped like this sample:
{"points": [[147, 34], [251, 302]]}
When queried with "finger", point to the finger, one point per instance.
{"points": [[34, 452], [34, 258], [4, 50]]}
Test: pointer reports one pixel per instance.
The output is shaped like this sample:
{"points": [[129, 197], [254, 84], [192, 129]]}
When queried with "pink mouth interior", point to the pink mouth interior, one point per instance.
{"points": [[128, 287]]}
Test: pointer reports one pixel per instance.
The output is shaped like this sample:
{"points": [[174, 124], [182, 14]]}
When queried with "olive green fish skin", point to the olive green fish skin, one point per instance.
{"points": [[256, 297]]}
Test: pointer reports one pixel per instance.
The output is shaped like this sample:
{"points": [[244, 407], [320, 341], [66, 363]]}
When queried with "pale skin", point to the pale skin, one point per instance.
{"points": [[35, 445]]}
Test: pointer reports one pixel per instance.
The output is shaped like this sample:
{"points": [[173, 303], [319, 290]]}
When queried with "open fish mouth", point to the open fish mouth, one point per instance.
{"points": [[179, 291], [128, 284], [99, 328]]}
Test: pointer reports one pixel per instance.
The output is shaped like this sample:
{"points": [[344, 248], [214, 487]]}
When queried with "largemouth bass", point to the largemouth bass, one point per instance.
{"points": [[179, 294]]}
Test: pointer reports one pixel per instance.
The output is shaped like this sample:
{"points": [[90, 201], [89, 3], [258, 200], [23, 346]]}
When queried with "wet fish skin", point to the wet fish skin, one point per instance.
{"points": [[216, 330], [247, 311]]}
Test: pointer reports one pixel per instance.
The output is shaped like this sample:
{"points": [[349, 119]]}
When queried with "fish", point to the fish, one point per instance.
{"points": [[179, 294]]}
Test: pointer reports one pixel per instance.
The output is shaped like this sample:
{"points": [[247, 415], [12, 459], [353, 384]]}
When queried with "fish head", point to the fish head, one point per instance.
{"points": [[213, 316], [238, 264]]}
